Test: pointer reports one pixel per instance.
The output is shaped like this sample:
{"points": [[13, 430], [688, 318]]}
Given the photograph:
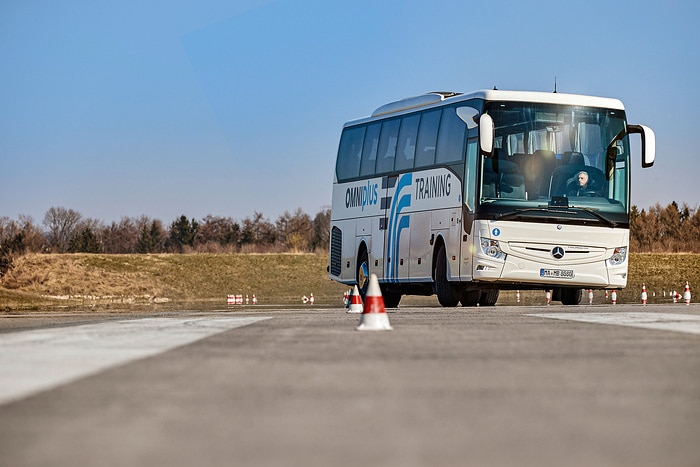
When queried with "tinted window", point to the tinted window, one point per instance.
{"points": [[369, 150], [427, 138], [406, 150], [387, 146], [348, 165], [451, 137]]}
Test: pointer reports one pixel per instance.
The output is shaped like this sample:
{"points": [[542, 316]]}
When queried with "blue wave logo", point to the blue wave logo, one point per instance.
{"points": [[398, 222]]}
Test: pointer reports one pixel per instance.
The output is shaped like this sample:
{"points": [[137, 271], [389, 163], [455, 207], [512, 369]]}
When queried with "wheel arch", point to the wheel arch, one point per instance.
{"points": [[439, 242]]}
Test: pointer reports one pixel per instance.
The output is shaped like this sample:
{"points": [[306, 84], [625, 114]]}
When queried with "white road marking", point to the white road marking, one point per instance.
{"points": [[37, 360], [662, 321]]}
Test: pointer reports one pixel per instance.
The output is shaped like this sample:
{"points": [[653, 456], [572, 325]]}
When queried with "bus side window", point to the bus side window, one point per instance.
{"points": [[427, 138], [407, 142], [451, 137], [349, 152], [369, 150], [470, 174], [387, 145]]}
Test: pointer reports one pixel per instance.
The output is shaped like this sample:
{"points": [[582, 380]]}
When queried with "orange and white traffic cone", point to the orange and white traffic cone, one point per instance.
{"points": [[613, 296], [355, 302], [255, 300], [644, 294], [374, 317], [548, 297], [686, 293]]}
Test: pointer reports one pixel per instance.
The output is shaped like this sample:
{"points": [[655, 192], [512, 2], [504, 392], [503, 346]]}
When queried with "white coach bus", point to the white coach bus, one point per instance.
{"points": [[463, 195]]}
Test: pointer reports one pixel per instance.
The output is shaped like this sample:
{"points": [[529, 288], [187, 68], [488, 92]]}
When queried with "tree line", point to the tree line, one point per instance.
{"points": [[658, 229], [67, 231], [670, 229]]}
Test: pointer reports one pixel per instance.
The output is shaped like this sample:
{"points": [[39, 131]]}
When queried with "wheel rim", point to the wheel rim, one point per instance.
{"points": [[363, 276]]}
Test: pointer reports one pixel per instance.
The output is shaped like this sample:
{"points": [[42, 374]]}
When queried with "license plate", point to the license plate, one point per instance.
{"points": [[557, 273]]}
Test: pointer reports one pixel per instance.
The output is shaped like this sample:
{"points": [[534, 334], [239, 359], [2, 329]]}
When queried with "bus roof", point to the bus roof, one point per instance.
{"points": [[436, 99]]}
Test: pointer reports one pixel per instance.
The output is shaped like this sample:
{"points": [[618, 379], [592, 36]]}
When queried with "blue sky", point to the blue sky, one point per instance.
{"points": [[216, 107]]}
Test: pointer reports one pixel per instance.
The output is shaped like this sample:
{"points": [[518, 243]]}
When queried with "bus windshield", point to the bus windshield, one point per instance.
{"points": [[555, 163]]}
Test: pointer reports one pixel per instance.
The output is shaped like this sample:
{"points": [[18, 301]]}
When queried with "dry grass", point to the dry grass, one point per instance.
{"points": [[40, 282]]}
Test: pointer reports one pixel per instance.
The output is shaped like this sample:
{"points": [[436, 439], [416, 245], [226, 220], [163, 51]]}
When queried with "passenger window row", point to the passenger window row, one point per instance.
{"points": [[419, 140]]}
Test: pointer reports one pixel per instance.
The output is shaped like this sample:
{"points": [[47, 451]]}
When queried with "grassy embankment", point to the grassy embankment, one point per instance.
{"points": [[202, 281]]}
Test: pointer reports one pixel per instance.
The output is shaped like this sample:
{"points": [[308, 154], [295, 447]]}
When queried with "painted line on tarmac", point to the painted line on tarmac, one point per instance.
{"points": [[37, 360], [661, 321]]}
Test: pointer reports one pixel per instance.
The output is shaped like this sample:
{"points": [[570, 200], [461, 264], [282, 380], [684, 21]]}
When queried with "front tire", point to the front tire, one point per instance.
{"points": [[489, 297], [391, 298], [447, 293], [571, 296], [470, 297]]}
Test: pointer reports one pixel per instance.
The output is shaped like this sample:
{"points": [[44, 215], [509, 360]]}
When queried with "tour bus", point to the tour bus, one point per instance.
{"points": [[464, 195]]}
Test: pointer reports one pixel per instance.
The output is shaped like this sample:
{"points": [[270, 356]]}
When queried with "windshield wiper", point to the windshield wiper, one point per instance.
{"points": [[567, 211], [518, 212], [597, 215]]}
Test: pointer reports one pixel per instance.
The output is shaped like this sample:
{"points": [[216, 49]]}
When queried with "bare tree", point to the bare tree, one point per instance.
{"points": [[120, 237], [61, 224], [295, 231], [322, 230], [219, 230]]}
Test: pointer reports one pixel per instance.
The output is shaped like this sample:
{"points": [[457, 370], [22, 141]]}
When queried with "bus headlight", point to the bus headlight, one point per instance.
{"points": [[492, 248], [619, 256]]}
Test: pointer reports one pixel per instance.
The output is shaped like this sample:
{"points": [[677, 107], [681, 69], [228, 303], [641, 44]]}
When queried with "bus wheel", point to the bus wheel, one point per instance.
{"points": [[470, 297], [446, 292], [571, 296], [391, 298], [489, 297], [363, 273]]}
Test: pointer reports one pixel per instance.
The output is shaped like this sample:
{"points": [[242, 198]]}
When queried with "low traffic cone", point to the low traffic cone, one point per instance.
{"points": [[590, 296], [517, 296], [686, 293], [644, 294], [548, 297], [355, 302], [613, 296], [312, 300], [374, 317]]}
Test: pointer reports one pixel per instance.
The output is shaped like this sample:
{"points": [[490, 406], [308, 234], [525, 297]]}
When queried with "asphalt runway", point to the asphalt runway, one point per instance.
{"points": [[507, 385]]}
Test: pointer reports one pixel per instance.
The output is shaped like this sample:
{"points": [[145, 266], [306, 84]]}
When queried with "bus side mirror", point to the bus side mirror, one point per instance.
{"points": [[648, 143], [486, 134]]}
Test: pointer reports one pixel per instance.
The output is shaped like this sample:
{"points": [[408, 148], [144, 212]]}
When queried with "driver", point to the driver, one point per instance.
{"points": [[580, 185]]}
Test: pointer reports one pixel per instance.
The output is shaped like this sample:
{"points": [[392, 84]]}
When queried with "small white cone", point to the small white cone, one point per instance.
{"points": [[613, 296], [355, 302], [686, 293], [312, 300], [590, 296], [374, 317]]}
